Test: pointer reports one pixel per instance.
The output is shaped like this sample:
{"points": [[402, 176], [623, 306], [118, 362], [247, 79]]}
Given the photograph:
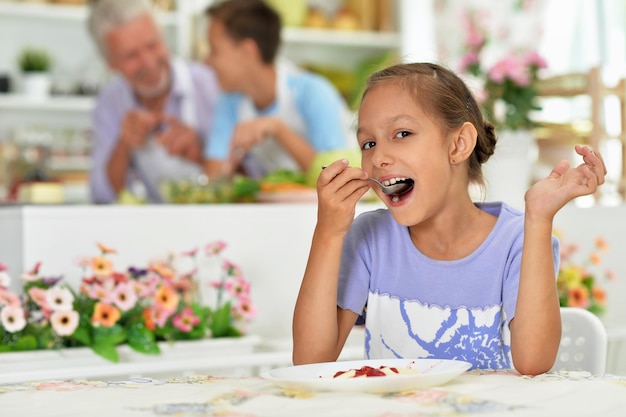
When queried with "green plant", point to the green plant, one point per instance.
{"points": [[138, 306], [34, 60]]}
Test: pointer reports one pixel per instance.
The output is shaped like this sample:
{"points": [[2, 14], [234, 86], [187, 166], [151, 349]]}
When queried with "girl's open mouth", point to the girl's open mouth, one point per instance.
{"points": [[396, 198]]}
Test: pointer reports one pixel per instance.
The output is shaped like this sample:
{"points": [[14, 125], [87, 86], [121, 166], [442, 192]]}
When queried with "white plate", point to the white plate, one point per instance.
{"points": [[319, 376]]}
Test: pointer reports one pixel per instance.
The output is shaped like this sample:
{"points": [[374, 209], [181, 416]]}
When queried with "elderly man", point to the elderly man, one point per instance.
{"points": [[151, 121]]}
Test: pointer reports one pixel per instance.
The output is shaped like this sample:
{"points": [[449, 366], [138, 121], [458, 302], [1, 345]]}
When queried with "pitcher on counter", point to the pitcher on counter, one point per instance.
{"points": [[150, 122], [273, 115]]}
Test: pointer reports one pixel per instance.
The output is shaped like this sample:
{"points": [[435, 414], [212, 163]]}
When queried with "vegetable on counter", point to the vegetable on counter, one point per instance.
{"points": [[284, 180]]}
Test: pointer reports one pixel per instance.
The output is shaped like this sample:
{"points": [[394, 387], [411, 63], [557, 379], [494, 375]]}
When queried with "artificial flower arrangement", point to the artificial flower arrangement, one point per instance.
{"points": [[578, 283], [497, 54], [139, 306], [509, 88]]}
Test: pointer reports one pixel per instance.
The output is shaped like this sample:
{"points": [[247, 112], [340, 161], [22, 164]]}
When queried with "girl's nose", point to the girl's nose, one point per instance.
{"points": [[381, 157]]}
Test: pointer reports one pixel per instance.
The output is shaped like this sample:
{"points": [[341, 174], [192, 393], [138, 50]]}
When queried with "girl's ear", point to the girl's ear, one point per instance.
{"points": [[463, 143]]}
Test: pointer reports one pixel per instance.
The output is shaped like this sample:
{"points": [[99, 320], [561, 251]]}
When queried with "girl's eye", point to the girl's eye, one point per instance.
{"points": [[368, 145], [402, 134]]}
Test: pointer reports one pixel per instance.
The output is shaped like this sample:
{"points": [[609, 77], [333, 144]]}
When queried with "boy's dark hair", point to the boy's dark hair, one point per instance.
{"points": [[250, 19]]}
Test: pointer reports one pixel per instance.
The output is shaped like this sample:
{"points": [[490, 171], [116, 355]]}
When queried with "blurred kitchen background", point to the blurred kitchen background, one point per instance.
{"points": [[45, 134]]}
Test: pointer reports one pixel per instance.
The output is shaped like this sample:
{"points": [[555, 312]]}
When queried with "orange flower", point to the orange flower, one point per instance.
{"points": [[101, 266], [105, 249], [105, 315], [601, 244], [594, 258], [166, 298], [163, 270], [578, 297], [148, 321], [599, 295]]}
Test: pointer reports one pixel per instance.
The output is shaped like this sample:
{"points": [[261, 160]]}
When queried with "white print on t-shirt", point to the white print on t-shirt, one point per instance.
{"points": [[409, 329]]}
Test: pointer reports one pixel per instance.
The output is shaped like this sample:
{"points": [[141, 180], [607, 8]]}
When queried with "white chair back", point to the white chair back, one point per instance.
{"points": [[583, 344]]}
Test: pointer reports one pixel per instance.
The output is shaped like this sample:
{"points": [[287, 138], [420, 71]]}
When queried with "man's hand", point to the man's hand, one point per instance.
{"points": [[249, 133], [137, 126], [180, 140]]}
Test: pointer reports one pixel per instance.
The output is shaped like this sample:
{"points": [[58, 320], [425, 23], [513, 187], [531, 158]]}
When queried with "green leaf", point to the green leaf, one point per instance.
{"points": [[233, 332], [113, 335], [596, 309], [27, 342], [107, 351], [220, 321], [82, 334], [142, 339]]}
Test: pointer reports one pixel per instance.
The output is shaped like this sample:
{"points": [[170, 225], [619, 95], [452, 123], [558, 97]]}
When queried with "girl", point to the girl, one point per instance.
{"points": [[441, 276]]}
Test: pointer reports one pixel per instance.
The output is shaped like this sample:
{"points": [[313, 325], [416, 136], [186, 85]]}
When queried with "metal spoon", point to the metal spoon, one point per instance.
{"points": [[398, 188]]}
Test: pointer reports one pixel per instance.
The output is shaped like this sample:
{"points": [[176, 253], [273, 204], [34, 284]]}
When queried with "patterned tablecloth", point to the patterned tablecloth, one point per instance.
{"points": [[476, 393]]}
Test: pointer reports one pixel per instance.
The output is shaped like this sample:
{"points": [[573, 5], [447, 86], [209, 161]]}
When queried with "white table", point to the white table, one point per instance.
{"points": [[475, 394]]}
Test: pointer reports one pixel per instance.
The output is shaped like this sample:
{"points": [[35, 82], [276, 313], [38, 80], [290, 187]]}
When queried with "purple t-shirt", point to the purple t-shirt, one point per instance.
{"points": [[117, 99], [418, 307]]}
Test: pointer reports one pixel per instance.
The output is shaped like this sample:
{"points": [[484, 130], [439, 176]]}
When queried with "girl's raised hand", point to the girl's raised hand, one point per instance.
{"points": [[548, 196], [339, 188]]}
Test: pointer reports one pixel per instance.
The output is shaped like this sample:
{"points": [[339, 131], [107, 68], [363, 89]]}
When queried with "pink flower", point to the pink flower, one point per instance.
{"points": [[186, 320], [567, 250], [3, 267], [124, 296], [215, 248], [64, 323], [38, 296], [245, 309], [13, 319], [231, 269], [191, 252], [83, 262], [99, 292], [33, 274], [534, 59], [474, 37], [512, 68], [9, 299], [610, 275], [216, 284], [467, 60], [159, 315], [147, 286], [238, 287]]}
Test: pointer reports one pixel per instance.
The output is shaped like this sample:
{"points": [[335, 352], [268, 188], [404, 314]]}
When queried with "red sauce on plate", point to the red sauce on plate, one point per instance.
{"points": [[368, 371]]}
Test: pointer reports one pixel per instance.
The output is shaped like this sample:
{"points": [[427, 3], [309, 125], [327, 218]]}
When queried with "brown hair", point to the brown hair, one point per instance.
{"points": [[443, 95], [250, 19]]}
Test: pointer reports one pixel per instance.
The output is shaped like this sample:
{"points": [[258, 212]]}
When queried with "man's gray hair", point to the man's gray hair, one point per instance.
{"points": [[109, 14]]}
